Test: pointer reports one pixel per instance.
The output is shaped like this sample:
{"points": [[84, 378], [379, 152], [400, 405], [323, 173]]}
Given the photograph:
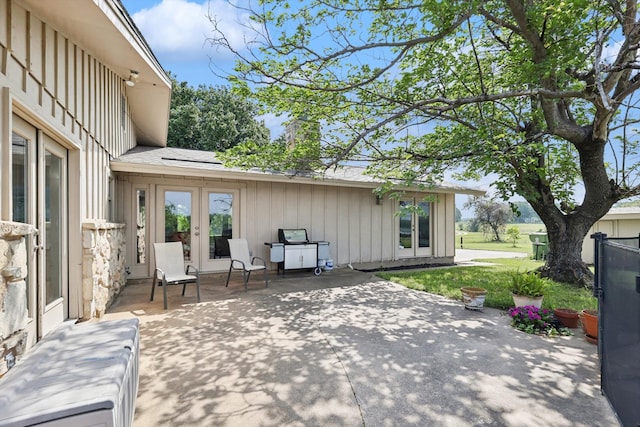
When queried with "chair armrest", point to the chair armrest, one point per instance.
{"points": [[195, 270], [161, 276], [237, 260], [260, 259]]}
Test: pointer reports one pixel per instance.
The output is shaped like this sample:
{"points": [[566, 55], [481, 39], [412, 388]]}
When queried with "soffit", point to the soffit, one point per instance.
{"points": [[105, 30]]}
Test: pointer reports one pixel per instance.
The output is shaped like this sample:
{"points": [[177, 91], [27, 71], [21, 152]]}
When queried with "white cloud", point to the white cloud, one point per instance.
{"points": [[177, 30]]}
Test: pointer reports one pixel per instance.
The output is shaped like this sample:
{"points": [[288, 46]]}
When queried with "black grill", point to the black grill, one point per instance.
{"points": [[293, 236]]}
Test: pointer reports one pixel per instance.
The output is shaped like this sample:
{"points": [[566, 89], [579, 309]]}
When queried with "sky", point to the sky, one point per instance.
{"points": [[177, 31]]}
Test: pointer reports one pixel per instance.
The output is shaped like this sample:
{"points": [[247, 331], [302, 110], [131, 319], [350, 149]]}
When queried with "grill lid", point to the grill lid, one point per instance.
{"points": [[293, 236]]}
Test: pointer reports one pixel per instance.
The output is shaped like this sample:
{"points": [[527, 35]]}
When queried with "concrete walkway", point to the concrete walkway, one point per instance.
{"points": [[467, 255], [348, 349]]}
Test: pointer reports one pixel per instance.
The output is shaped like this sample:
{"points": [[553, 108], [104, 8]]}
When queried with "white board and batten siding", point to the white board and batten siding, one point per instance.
{"points": [[618, 222], [59, 87], [357, 228]]}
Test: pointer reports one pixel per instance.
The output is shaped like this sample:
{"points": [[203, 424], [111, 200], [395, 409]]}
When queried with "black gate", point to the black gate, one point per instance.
{"points": [[617, 285]]}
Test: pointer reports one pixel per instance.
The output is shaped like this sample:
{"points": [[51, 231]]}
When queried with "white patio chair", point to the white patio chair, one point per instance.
{"points": [[241, 259], [170, 269]]}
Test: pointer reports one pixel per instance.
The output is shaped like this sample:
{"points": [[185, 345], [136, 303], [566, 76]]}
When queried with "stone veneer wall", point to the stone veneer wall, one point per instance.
{"points": [[103, 265], [13, 292]]}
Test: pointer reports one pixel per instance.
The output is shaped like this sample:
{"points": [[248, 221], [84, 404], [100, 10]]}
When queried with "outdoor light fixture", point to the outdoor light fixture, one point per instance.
{"points": [[133, 78]]}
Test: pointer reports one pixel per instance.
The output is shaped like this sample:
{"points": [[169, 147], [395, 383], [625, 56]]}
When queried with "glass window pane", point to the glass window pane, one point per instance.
{"points": [[19, 179], [177, 219], [405, 225], [53, 223], [220, 224], [141, 229], [423, 225]]}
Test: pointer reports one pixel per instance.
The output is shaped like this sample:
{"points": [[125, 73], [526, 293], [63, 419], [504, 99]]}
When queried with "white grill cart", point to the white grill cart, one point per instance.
{"points": [[294, 251]]}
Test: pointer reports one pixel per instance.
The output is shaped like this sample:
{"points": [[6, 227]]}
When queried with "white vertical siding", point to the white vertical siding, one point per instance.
{"points": [[67, 91], [358, 229]]}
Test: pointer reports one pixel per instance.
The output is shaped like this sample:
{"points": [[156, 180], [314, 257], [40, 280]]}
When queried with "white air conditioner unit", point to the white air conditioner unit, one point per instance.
{"points": [[78, 375]]}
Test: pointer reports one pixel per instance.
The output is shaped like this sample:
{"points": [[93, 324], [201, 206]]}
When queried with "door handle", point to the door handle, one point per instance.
{"points": [[36, 243]]}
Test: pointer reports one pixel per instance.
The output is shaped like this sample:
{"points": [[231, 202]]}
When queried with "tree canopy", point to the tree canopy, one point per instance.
{"points": [[491, 215], [212, 118], [539, 94]]}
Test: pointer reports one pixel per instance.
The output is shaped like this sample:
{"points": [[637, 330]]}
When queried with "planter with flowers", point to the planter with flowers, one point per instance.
{"points": [[527, 289], [535, 320]]}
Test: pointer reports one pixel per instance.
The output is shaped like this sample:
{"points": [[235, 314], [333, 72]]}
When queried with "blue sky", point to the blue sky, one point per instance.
{"points": [[177, 31]]}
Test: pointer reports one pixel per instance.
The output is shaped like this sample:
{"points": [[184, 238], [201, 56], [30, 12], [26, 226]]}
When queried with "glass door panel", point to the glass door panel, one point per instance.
{"points": [[53, 212], [218, 219], [424, 223], [177, 220], [19, 177], [405, 237], [141, 226], [414, 228], [220, 224], [23, 189], [52, 223]]}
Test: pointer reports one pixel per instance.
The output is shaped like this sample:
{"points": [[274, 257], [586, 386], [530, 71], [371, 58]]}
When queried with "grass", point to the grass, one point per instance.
{"points": [[495, 279], [480, 241]]}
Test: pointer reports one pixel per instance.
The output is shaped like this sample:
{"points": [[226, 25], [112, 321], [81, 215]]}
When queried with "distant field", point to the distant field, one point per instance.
{"points": [[481, 241]]}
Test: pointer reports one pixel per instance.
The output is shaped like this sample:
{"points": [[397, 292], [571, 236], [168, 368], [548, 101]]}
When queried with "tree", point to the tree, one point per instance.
{"points": [[490, 214], [513, 235], [540, 94], [212, 118]]}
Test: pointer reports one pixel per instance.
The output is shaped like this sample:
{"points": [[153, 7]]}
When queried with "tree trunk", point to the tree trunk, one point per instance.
{"points": [[564, 260]]}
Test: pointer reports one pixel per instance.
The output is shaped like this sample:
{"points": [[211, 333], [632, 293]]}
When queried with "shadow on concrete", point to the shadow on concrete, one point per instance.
{"points": [[347, 349]]}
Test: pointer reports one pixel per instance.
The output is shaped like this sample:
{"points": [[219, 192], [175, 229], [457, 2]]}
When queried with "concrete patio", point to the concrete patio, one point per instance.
{"points": [[348, 349]]}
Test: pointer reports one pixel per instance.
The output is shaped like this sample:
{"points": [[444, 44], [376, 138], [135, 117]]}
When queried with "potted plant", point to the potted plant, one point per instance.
{"points": [[535, 320], [590, 325], [527, 289], [567, 316], [473, 298]]}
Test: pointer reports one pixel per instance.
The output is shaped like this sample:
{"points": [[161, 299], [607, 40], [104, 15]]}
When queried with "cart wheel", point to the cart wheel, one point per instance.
{"points": [[317, 271]]}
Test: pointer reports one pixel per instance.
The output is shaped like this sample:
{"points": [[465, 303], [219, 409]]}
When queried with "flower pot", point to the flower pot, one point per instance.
{"points": [[590, 324], [523, 301], [473, 298], [567, 316]]}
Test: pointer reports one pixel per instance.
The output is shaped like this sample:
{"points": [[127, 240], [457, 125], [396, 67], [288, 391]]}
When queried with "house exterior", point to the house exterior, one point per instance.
{"points": [[88, 185], [213, 201], [66, 110], [618, 222]]}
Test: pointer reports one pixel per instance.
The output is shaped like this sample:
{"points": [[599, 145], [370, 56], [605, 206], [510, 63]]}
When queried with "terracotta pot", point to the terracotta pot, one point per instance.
{"points": [[590, 322], [567, 316], [522, 301], [473, 297]]}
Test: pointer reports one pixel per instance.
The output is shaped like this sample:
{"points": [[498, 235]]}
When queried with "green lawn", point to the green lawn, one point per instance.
{"points": [[495, 278], [478, 240]]}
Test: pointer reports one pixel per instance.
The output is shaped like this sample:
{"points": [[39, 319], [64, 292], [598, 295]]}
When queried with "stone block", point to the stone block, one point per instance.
{"points": [[14, 309]]}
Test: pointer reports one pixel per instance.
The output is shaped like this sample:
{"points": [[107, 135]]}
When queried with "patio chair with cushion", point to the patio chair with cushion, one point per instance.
{"points": [[170, 269], [241, 259]]}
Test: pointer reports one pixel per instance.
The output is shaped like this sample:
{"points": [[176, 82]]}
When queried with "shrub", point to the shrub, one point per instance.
{"points": [[528, 284]]}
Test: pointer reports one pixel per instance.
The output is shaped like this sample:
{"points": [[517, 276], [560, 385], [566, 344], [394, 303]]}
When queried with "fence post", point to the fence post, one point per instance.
{"points": [[597, 283]]}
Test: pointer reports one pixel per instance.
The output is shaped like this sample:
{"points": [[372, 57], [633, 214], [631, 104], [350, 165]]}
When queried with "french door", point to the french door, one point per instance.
{"points": [[39, 196], [202, 219], [414, 231]]}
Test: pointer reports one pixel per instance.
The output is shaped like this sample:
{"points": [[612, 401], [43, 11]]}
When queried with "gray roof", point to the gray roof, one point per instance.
{"points": [[183, 162]]}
